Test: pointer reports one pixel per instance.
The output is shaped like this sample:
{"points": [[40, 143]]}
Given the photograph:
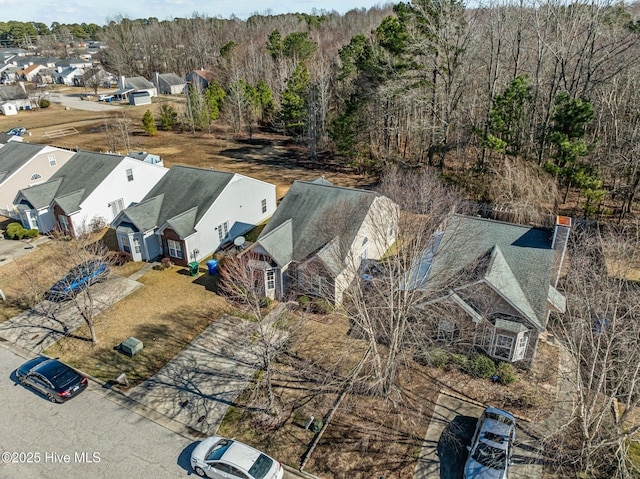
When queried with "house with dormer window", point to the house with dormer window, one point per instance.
{"points": [[492, 284]]}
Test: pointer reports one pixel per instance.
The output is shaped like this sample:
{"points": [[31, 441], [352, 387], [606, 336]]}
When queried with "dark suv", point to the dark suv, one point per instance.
{"points": [[54, 379], [77, 280]]}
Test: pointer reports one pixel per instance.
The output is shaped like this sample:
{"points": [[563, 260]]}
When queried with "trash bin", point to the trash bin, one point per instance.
{"points": [[194, 268], [212, 266]]}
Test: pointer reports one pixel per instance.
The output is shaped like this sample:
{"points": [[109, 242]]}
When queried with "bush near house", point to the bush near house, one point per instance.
{"points": [[17, 231], [506, 373], [481, 366], [44, 103]]}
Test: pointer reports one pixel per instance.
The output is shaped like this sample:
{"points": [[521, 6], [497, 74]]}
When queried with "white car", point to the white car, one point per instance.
{"points": [[220, 458], [105, 98]]}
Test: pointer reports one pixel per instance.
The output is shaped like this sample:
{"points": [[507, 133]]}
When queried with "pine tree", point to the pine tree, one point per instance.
{"points": [[149, 124]]}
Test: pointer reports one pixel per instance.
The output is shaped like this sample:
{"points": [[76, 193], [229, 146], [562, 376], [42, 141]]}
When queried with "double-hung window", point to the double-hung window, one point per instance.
{"points": [[175, 249]]}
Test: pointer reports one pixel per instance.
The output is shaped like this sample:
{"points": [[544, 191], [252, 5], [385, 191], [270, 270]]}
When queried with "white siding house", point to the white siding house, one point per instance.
{"points": [[191, 212], [91, 188]]}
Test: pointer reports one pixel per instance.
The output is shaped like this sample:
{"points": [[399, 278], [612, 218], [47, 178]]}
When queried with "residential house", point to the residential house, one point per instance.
{"points": [[83, 64], [318, 237], [200, 78], [16, 95], [169, 83], [191, 212], [28, 73], [96, 76], [492, 284], [127, 86], [68, 76], [23, 165], [91, 188]]}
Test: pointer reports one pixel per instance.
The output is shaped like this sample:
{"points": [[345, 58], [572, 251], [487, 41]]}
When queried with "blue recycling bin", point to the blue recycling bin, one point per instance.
{"points": [[212, 266]]}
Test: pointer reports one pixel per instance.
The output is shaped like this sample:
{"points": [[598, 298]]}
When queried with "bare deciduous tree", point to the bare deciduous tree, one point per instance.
{"points": [[601, 332]]}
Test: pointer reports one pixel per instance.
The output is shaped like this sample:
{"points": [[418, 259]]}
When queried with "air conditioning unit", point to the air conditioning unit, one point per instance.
{"points": [[131, 346]]}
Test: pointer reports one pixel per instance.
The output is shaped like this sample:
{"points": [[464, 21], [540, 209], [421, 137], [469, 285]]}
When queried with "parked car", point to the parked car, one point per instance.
{"points": [[16, 131], [77, 280], [106, 98], [57, 381], [220, 458], [492, 446]]}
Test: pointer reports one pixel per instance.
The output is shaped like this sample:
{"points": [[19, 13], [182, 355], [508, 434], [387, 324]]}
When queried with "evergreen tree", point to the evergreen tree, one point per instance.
{"points": [[168, 117], [149, 124], [294, 108]]}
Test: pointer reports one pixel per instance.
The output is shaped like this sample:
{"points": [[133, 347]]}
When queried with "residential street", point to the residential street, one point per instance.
{"points": [[125, 443]]}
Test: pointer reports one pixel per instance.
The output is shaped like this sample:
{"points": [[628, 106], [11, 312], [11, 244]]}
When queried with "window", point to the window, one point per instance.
{"points": [[64, 223], [264, 206], [136, 245], [223, 231], [116, 206], [35, 177], [52, 160], [126, 246], [504, 344], [129, 174], [271, 279], [446, 329], [175, 249]]}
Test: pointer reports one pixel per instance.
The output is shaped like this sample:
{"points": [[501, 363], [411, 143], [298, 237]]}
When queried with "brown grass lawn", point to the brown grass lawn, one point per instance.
{"points": [[166, 314], [266, 156]]}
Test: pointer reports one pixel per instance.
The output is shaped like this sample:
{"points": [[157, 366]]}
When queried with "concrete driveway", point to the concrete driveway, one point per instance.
{"points": [[37, 329], [13, 249], [202, 381], [451, 429]]}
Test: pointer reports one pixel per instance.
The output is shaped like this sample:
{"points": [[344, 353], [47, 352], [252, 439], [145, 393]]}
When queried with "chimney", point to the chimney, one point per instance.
{"points": [[559, 244], [121, 82]]}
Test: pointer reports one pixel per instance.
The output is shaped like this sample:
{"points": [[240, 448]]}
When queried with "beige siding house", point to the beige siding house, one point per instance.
{"points": [[23, 165]]}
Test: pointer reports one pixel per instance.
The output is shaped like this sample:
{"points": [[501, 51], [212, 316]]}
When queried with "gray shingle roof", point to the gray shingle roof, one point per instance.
{"points": [[74, 181], [12, 92], [14, 155], [519, 260], [301, 225], [179, 199], [171, 79], [138, 83]]}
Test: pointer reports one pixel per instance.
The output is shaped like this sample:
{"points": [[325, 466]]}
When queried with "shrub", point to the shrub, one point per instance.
{"points": [[97, 223], [16, 231], [32, 233], [304, 300], [481, 366], [322, 306], [119, 258], [44, 103], [166, 263], [434, 357], [458, 361], [506, 373]]}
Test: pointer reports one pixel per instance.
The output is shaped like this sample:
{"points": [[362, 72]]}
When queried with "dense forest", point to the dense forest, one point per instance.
{"points": [[536, 105]]}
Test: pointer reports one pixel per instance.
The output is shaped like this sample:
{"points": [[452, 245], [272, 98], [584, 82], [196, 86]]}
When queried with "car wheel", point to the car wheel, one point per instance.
{"points": [[50, 397], [200, 472]]}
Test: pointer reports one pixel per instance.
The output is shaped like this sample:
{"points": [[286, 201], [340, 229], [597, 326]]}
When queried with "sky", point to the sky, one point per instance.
{"points": [[101, 11]]}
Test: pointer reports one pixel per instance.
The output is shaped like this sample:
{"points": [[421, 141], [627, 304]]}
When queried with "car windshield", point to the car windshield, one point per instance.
{"points": [[499, 418], [261, 467], [490, 456], [218, 450]]}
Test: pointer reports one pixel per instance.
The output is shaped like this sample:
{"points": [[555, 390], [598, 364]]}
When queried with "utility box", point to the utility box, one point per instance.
{"points": [[131, 346]]}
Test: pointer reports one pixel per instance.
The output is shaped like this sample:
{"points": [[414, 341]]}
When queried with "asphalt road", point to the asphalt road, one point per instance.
{"points": [[89, 436]]}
